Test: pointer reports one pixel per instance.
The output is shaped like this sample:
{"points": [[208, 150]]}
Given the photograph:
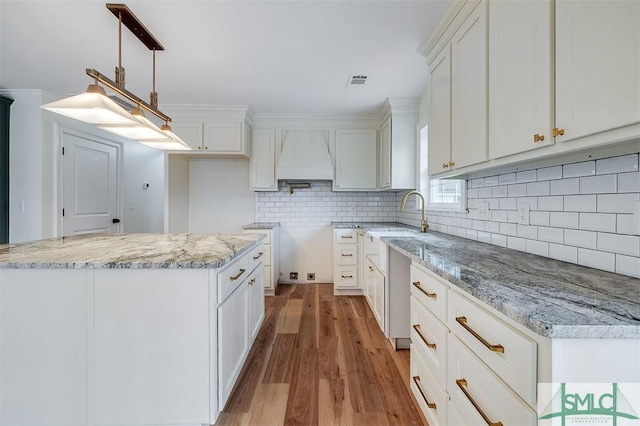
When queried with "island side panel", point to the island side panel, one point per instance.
{"points": [[152, 346], [43, 346]]}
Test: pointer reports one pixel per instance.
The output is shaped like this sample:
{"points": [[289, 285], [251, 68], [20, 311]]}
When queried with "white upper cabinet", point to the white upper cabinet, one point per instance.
{"points": [[597, 67], [520, 78], [458, 123], [225, 137], [469, 90], [355, 160], [439, 98], [397, 148], [189, 131], [263, 160]]}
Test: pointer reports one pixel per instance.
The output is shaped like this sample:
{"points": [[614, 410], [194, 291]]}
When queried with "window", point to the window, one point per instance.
{"points": [[440, 194]]}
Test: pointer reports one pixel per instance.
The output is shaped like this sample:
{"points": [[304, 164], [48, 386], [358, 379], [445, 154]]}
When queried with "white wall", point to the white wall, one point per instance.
{"points": [[220, 200], [177, 193], [35, 180], [304, 250]]}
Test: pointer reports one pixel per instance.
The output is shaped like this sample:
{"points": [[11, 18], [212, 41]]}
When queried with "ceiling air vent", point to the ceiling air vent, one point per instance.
{"points": [[357, 80]]}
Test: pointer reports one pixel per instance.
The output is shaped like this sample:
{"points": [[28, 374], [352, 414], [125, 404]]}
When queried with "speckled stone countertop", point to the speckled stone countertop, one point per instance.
{"points": [[128, 251], [262, 225], [552, 298]]}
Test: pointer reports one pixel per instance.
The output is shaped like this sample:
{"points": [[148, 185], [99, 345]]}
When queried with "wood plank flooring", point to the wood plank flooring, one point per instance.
{"points": [[321, 359]]}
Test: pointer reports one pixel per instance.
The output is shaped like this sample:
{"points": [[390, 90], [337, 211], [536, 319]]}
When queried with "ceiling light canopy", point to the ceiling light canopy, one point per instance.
{"points": [[95, 107]]}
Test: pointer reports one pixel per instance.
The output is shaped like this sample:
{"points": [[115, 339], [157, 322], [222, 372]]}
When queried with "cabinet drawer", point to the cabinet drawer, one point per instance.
{"points": [[346, 254], [255, 256], [498, 403], [429, 339], [232, 276], [346, 236], [507, 352], [267, 255], [431, 397], [430, 291], [346, 277]]}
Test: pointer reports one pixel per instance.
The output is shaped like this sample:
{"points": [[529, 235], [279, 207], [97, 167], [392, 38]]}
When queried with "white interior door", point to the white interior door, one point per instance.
{"points": [[90, 182]]}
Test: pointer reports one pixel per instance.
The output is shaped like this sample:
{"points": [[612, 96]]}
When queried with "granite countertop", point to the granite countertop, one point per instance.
{"points": [[128, 251], [262, 225], [552, 298]]}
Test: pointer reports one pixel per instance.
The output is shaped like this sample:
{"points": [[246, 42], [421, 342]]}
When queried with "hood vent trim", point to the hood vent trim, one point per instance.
{"points": [[304, 156]]}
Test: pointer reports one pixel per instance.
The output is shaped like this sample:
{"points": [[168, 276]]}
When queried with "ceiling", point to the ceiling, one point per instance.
{"points": [[277, 57]]}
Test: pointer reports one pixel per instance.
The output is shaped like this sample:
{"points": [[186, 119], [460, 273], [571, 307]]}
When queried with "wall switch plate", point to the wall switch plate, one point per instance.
{"points": [[523, 213], [17, 206], [212, 208], [145, 186]]}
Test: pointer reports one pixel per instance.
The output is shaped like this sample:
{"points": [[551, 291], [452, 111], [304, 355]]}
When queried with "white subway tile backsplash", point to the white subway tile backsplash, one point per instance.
{"points": [[516, 243], [537, 189], [549, 173], [563, 220], [580, 203], [551, 235], [539, 218], [628, 265], [528, 232], [565, 186], [526, 176], [587, 168], [598, 184], [617, 203], [507, 179], [624, 163], [597, 259], [585, 239], [552, 204], [509, 229], [629, 182], [598, 222], [564, 253], [507, 204], [621, 244], [491, 181], [518, 190], [575, 216], [498, 240], [537, 247], [499, 191], [627, 224]]}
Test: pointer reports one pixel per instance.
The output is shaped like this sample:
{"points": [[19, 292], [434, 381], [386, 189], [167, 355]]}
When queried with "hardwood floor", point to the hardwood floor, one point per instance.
{"points": [[321, 359]]}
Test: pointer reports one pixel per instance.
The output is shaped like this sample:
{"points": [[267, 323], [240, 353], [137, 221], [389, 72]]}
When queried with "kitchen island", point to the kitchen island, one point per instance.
{"points": [[126, 328]]}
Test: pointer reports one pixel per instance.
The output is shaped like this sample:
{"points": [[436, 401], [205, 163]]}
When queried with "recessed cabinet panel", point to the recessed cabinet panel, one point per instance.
{"points": [[597, 66], [263, 160], [469, 123], [439, 147], [355, 160], [223, 136], [385, 154], [189, 131], [520, 84]]}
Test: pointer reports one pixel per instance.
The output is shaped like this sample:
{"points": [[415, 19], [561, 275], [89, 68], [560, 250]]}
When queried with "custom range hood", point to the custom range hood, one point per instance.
{"points": [[304, 155]]}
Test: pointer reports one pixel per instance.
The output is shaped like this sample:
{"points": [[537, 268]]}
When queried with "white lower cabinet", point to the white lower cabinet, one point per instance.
{"points": [[256, 302], [270, 256], [473, 367], [379, 297], [346, 261]]}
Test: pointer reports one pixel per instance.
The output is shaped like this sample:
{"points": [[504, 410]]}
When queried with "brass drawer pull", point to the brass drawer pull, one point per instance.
{"points": [[416, 380], [416, 327], [371, 268], [347, 237], [252, 281], [418, 285], [462, 383], [347, 255], [346, 276], [242, 271], [258, 256], [494, 348]]}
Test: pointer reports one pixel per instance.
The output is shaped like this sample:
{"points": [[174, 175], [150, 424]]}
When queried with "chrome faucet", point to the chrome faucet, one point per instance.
{"points": [[423, 223]]}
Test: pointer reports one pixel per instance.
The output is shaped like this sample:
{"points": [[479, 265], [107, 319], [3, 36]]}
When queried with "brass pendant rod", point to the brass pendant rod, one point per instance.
{"points": [[124, 92], [119, 40]]}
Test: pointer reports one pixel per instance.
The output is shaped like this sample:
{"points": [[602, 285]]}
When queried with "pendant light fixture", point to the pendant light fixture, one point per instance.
{"points": [[95, 107]]}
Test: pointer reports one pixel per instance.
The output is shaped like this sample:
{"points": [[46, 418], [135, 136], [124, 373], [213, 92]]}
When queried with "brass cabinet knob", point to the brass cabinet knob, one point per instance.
{"points": [[558, 132], [451, 164], [445, 165], [538, 138]]}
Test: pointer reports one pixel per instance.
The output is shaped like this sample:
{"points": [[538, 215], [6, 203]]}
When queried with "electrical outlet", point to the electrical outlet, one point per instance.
{"points": [[523, 213], [212, 208], [293, 275], [311, 276]]}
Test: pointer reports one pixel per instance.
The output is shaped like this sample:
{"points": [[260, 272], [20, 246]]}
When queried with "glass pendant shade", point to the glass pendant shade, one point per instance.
{"points": [[144, 129], [93, 107]]}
